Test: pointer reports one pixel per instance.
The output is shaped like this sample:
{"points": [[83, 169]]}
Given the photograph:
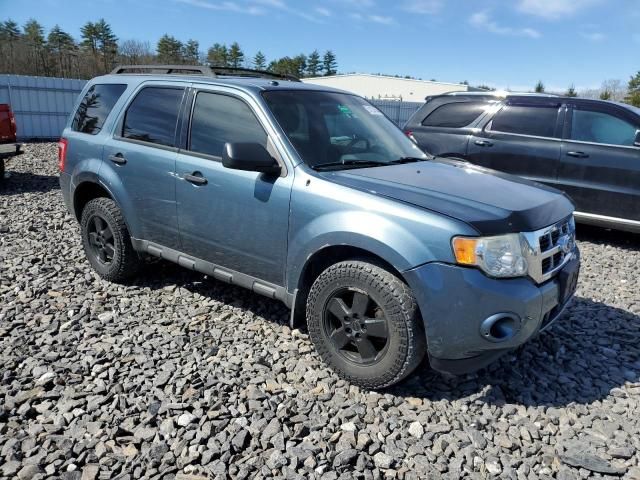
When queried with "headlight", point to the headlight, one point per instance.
{"points": [[499, 256]]}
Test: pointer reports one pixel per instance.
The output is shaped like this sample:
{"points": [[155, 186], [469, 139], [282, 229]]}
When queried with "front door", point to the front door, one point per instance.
{"points": [[521, 139], [141, 157], [232, 218], [600, 167]]}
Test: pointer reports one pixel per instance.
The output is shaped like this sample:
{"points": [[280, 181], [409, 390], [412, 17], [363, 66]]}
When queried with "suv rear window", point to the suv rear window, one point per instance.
{"points": [[218, 119], [535, 120], [600, 127], [455, 115], [96, 106], [153, 115]]}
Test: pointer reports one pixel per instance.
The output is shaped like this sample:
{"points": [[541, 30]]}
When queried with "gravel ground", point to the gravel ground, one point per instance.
{"points": [[179, 376]]}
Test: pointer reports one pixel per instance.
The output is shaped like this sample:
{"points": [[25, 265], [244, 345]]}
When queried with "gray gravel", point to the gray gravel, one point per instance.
{"points": [[178, 376]]}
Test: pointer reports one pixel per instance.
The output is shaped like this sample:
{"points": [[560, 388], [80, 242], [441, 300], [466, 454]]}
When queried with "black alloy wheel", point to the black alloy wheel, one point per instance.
{"points": [[101, 241], [356, 326]]}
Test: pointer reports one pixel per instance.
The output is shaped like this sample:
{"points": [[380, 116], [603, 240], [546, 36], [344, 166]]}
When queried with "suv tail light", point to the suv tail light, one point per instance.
{"points": [[62, 153]]}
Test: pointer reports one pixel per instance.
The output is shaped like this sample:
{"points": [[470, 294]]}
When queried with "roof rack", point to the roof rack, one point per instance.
{"points": [[165, 69], [205, 70]]}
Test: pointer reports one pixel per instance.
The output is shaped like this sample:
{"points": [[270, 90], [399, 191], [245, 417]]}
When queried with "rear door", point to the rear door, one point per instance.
{"points": [[443, 127], [522, 138], [600, 167], [142, 154]]}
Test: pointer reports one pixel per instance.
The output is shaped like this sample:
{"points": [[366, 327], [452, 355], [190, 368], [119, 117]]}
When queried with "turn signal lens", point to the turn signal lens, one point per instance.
{"points": [[465, 250]]}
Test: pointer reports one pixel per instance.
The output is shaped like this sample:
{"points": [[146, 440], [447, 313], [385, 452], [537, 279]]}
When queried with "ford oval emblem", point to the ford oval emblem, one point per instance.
{"points": [[565, 244]]}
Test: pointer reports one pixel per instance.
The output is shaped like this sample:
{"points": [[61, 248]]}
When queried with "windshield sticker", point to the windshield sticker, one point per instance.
{"points": [[345, 110], [372, 110]]}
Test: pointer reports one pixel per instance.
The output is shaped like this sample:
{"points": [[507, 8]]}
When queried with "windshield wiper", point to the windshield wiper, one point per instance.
{"points": [[408, 160], [349, 163]]}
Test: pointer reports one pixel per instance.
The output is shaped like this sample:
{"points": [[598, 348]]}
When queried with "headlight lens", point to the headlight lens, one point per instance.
{"points": [[499, 256]]}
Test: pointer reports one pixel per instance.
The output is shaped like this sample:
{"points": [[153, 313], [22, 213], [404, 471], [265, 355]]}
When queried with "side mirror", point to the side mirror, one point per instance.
{"points": [[251, 157], [636, 142]]}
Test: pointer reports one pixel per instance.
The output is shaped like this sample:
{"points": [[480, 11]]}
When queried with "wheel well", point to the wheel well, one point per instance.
{"points": [[319, 262], [84, 193]]}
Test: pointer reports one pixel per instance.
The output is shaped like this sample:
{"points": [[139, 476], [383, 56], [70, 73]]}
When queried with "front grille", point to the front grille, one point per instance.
{"points": [[550, 249]]}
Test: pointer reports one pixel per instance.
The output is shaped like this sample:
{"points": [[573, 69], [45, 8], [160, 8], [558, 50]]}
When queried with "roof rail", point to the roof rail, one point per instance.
{"points": [[208, 71], [250, 72], [165, 69]]}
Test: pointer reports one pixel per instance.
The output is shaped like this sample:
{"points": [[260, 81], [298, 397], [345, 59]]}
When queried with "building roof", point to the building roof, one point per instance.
{"points": [[370, 75]]}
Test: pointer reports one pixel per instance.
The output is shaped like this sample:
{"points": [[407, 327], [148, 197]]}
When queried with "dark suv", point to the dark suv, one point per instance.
{"points": [[588, 148], [313, 197]]}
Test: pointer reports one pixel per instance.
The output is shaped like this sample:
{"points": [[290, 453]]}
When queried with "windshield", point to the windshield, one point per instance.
{"points": [[338, 130]]}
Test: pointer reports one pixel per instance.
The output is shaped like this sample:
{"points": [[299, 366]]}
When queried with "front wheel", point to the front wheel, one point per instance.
{"points": [[364, 322]]}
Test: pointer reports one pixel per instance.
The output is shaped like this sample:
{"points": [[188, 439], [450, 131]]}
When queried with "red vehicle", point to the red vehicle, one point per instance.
{"points": [[8, 140]]}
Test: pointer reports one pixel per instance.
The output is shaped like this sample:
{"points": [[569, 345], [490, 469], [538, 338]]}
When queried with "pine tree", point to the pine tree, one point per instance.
{"points": [[62, 46], [191, 52], [633, 97], [169, 49], [236, 55], [218, 56], [313, 64], [300, 65], [260, 61], [34, 36], [107, 44], [329, 63], [9, 35], [539, 88], [571, 92], [605, 94]]}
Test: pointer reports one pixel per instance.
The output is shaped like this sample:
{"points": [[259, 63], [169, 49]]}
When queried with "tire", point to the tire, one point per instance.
{"points": [[339, 291], [1, 169], [102, 225]]}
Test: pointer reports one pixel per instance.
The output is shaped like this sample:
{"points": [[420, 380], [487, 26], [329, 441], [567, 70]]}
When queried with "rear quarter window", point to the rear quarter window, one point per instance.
{"points": [[95, 107], [455, 115]]}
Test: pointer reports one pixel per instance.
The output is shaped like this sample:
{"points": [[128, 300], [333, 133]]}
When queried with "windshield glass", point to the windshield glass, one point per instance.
{"points": [[339, 130]]}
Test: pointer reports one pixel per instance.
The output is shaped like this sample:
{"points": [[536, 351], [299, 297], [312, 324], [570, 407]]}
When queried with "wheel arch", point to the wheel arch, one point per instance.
{"points": [[320, 261]]}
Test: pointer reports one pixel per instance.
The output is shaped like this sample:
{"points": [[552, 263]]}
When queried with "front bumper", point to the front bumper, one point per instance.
{"points": [[456, 302]]}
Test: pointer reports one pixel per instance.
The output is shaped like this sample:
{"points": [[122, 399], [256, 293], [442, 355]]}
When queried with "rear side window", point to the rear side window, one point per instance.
{"points": [[454, 115], [153, 115], [600, 127], [218, 119], [539, 121], [95, 107]]}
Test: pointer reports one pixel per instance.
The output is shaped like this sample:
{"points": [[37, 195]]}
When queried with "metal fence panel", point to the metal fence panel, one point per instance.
{"points": [[41, 104], [399, 112]]}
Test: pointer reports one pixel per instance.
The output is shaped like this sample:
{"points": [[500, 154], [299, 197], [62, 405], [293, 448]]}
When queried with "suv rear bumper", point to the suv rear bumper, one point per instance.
{"points": [[470, 319]]}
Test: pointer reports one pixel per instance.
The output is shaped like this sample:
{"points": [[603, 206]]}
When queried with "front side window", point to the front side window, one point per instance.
{"points": [[455, 115], [599, 127], [153, 115], [337, 130], [539, 121], [218, 119], [95, 107]]}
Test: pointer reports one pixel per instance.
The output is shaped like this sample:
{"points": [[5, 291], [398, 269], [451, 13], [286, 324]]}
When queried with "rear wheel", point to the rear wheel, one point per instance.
{"points": [[107, 242], [1, 169], [364, 322]]}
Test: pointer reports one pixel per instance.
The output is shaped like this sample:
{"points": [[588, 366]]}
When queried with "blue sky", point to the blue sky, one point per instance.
{"points": [[503, 43]]}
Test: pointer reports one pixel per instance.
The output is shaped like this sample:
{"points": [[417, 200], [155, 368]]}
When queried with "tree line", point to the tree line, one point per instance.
{"points": [[32, 51], [610, 90]]}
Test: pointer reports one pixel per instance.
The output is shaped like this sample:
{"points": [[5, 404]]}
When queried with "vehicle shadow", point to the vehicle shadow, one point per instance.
{"points": [[590, 350], [18, 183]]}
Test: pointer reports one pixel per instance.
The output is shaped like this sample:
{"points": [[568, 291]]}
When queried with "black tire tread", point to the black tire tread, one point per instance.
{"points": [[127, 262], [413, 344]]}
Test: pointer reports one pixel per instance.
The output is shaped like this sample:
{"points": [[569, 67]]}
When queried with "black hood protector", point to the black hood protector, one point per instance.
{"points": [[492, 202]]}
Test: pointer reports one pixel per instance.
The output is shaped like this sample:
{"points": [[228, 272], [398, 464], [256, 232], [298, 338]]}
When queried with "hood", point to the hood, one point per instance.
{"points": [[492, 202]]}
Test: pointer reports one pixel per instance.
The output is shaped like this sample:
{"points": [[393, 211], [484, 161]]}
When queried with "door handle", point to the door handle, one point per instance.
{"points": [[118, 158], [578, 154], [196, 178], [483, 143]]}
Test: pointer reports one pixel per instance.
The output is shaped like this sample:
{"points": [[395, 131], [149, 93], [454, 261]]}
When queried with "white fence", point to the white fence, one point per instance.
{"points": [[42, 104]]}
